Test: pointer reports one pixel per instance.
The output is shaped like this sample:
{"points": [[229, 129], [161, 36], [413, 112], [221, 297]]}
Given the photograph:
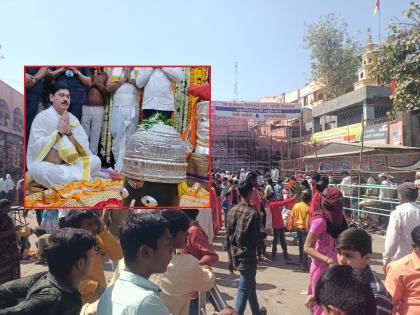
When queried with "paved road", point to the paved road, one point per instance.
{"points": [[281, 287]]}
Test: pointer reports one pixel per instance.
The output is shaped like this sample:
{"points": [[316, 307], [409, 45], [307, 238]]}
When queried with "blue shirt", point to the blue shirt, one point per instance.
{"points": [[132, 294], [78, 92], [38, 88]]}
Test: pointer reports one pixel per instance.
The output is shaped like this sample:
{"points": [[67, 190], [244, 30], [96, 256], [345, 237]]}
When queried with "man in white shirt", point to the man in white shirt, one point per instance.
{"points": [[147, 246], [158, 93], [58, 147], [385, 194], [347, 191], [402, 221], [125, 110]]}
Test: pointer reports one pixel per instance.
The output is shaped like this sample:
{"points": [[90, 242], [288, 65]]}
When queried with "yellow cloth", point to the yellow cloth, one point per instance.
{"points": [[107, 246], [299, 218], [183, 275], [183, 188]]}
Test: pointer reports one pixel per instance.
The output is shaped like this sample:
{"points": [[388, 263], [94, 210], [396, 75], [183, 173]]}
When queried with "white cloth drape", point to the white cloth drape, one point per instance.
{"points": [[42, 138]]}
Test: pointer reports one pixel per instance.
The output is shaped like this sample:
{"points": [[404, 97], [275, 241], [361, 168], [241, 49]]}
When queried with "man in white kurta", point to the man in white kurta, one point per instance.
{"points": [[158, 93], [125, 110], [58, 148]]}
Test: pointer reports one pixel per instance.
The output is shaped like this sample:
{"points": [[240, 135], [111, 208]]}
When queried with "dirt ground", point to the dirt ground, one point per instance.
{"points": [[281, 287]]}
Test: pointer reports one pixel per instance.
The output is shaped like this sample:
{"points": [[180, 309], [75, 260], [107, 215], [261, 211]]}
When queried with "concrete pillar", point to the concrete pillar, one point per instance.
{"points": [[368, 112]]}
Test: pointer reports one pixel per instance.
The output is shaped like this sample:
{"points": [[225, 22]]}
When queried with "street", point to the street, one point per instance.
{"points": [[281, 287]]}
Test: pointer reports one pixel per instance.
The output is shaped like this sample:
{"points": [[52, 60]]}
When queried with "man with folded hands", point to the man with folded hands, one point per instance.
{"points": [[58, 148]]}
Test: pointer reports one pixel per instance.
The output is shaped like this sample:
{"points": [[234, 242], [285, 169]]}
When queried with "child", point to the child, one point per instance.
{"points": [[354, 248], [226, 204], [403, 279], [299, 222], [92, 287], [344, 291], [278, 226]]}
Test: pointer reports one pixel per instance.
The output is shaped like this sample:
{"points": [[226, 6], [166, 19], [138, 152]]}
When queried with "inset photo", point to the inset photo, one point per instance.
{"points": [[117, 136]]}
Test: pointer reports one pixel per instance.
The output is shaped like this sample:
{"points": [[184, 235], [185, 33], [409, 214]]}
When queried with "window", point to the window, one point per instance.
{"points": [[17, 120], [4, 113], [361, 75]]}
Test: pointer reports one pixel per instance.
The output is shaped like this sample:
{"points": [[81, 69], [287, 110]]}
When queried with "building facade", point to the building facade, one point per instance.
{"points": [[11, 132]]}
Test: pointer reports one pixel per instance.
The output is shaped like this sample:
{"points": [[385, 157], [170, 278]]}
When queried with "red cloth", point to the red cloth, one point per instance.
{"points": [[286, 195], [314, 191], [332, 211], [275, 208], [332, 205], [315, 202], [198, 246], [256, 200], [110, 203], [217, 212], [202, 91]]}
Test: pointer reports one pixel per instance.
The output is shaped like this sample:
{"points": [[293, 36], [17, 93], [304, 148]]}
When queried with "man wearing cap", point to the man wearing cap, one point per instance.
{"points": [[401, 222]]}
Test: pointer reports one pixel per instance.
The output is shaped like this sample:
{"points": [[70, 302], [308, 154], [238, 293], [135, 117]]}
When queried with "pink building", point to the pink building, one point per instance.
{"points": [[11, 131]]}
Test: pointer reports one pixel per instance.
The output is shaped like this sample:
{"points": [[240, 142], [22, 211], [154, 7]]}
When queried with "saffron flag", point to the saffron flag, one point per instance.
{"points": [[376, 8]]}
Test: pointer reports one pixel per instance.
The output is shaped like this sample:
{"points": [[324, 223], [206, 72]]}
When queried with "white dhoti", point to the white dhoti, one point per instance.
{"points": [[79, 163], [124, 116], [123, 124], [47, 174]]}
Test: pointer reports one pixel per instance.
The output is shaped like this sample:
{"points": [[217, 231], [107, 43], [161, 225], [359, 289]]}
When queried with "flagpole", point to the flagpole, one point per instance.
{"points": [[379, 16]]}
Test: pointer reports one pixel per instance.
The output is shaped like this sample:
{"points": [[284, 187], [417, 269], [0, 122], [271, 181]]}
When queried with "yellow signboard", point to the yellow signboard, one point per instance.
{"points": [[350, 133]]}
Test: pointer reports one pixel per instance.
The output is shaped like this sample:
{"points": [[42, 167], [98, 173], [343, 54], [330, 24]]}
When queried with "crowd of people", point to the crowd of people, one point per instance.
{"points": [[162, 258], [314, 211]]}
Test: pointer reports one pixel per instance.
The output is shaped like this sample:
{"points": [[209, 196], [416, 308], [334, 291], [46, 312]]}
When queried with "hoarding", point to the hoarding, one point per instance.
{"points": [[256, 110], [376, 134], [350, 133]]}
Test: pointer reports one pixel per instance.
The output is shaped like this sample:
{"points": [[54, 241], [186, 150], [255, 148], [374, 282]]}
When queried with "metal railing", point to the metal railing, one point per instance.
{"points": [[368, 199], [218, 301]]}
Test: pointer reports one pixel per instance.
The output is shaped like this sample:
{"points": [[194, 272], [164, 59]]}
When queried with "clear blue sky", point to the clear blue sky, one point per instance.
{"points": [[265, 37]]}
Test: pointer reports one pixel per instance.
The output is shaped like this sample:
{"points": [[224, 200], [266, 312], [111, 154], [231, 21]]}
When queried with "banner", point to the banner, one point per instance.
{"points": [[256, 110], [350, 133], [376, 134]]}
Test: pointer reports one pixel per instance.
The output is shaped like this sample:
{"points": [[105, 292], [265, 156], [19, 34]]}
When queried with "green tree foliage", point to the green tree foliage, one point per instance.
{"points": [[398, 59], [335, 55]]}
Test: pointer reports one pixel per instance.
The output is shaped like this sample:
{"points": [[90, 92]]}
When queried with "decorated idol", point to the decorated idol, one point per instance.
{"points": [[154, 164]]}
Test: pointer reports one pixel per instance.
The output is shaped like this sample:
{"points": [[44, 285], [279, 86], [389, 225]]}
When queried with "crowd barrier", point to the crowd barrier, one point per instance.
{"points": [[369, 199]]}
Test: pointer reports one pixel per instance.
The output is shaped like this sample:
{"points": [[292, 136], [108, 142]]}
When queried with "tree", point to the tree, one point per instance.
{"points": [[335, 55], [398, 60]]}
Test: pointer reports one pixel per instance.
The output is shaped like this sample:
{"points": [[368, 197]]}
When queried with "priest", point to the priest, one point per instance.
{"points": [[58, 148]]}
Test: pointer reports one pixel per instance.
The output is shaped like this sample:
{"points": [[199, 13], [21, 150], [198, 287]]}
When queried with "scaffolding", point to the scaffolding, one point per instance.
{"points": [[251, 145]]}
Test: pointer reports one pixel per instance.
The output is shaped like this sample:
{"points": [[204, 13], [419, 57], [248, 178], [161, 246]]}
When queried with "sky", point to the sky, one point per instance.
{"points": [[265, 37]]}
